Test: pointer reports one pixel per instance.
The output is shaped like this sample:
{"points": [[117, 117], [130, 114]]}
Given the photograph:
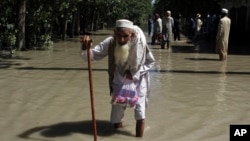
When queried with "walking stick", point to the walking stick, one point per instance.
{"points": [[92, 95]]}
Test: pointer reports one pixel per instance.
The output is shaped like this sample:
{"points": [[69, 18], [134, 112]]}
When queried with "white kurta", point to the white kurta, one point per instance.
{"points": [[167, 26], [222, 37], [139, 63]]}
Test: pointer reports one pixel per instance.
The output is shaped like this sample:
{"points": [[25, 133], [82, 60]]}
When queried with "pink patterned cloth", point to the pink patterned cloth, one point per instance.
{"points": [[126, 94]]}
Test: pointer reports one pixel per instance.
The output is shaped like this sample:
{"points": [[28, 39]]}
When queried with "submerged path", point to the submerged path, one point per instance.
{"points": [[45, 95]]}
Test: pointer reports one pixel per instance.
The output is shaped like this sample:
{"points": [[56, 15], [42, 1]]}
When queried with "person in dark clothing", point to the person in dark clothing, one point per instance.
{"points": [[150, 25], [191, 27], [177, 28]]}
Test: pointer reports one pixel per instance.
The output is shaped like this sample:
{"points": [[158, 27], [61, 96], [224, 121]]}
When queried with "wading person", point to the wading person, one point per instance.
{"points": [[157, 30], [198, 26], [129, 58], [223, 35], [167, 32], [150, 25], [177, 28]]}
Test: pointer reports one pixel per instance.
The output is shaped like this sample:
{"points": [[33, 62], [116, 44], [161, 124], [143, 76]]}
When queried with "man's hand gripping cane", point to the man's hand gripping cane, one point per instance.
{"points": [[86, 41]]}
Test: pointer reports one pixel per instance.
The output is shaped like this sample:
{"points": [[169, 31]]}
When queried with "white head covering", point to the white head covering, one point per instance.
{"points": [[169, 12], [224, 11], [198, 15], [138, 41], [124, 23]]}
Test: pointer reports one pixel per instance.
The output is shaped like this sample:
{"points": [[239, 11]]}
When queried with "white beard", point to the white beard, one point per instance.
{"points": [[121, 53]]}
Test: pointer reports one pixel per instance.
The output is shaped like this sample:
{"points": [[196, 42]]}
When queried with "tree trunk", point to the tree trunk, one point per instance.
{"points": [[92, 20], [72, 30], [21, 24], [77, 26], [65, 24], [95, 22]]}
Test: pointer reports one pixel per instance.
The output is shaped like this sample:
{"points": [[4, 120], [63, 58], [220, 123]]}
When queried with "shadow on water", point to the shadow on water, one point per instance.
{"points": [[62, 129], [193, 47], [12, 57], [152, 70], [203, 59], [6, 61], [184, 49], [54, 68], [8, 64], [188, 46], [200, 72]]}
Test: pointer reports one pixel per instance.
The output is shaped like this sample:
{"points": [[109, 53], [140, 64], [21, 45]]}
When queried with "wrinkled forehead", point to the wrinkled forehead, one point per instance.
{"points": [[122, 31]]}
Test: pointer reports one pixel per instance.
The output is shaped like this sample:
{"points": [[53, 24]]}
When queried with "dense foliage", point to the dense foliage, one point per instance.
{"points": [[46, 20], [25, 24], [187, 8], [7, 23]]}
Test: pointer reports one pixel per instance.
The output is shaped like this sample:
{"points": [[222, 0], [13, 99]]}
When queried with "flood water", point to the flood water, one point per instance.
{"points": [[194, 97]]}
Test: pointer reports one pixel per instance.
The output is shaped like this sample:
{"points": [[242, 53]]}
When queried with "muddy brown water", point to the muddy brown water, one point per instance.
{"points": [[45, 96]]}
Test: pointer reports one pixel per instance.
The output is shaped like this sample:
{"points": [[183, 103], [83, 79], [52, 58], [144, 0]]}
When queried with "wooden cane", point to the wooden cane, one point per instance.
{"points": [[92, 95]]}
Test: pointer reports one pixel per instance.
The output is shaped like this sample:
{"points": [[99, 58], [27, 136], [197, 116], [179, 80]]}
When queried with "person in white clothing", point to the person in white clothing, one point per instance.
{"points": [[198, 26], [130, 57], [167, 32], [222, 36], [157, 31]]}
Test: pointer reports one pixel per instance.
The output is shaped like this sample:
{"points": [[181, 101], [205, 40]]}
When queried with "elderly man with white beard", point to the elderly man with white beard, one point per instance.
{"points": [[129, 57]]}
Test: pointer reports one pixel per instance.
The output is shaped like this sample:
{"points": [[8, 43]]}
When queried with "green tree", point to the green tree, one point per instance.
{"points": [[46, 20], [7, 24], [21, 24]]}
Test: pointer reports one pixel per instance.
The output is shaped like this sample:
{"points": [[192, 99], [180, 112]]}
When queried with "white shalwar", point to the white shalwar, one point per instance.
{"points": [[139, 62]]}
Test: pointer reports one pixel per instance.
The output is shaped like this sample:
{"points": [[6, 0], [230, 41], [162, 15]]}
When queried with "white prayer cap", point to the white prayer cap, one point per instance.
{"points": [[224, 11], [198, 15], [124, 23], [169, 12]]}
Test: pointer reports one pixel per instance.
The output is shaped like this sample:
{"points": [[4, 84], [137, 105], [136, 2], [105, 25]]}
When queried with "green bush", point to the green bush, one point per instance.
{"points": [[8, 36], [45, 41]]}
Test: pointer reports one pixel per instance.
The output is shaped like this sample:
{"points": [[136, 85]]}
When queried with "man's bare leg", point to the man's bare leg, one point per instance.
{"points": [[139, 128], [118, 125]]}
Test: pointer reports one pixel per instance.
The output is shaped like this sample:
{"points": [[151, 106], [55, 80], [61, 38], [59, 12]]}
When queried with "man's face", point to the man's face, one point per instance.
{"points": [[168, 14], [123, 35]]}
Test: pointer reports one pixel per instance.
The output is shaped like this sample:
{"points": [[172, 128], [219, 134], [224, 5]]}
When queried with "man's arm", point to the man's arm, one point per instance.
{"points": [[99, 51], [149, 63]]}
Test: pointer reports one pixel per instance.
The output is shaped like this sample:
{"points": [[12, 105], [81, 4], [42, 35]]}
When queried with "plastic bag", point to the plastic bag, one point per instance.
{"points": [[126, 94]]}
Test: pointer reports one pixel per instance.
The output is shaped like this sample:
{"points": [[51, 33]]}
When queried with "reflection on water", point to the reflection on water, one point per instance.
{"points": [[222, 84], [194, 97]]}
